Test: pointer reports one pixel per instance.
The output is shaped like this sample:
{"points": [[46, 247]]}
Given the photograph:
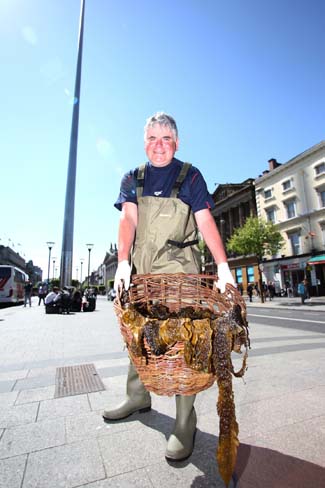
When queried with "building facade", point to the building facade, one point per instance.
{"points": [[9, 256], [110, 263], [234, 202], [292, 195]]}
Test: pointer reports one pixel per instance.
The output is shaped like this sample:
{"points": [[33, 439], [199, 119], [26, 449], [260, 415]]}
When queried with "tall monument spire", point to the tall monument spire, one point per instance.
{"points": [[68, 224]]}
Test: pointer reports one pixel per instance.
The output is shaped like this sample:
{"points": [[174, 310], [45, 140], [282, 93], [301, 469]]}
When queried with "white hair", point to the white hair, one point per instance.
{"points": [[163, 119]]}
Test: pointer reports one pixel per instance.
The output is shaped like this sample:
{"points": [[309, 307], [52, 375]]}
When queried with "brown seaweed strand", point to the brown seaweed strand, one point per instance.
{"points": [[228, 427]]}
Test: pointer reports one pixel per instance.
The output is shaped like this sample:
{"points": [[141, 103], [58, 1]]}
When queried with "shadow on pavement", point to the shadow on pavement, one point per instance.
{"points": [[260, 467], [256, 467]]}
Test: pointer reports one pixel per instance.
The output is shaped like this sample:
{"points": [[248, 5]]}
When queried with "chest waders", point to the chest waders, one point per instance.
{"points": [[166, 242]]}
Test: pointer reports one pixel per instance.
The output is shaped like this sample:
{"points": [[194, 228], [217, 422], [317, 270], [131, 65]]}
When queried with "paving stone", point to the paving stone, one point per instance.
{"points": [[124, 361], [92, 425], [113, 371], [62, 407], [6, 386], [35, 382], [8, 399], [32, 437], [117, 384], [100, 400], [49, 371], [265, 416], [65, 466], [12, 472], [35, 395], [20, 414], [262, 467], [134, 479], [13, 375], [129, 450], [200, 471], [304, 441]]}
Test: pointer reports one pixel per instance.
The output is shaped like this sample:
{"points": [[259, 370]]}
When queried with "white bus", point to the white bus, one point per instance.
{"points": [[12, 282]]}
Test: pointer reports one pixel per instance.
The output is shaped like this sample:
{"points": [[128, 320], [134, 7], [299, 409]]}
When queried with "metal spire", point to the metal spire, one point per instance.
{"points": [[67, 238]]}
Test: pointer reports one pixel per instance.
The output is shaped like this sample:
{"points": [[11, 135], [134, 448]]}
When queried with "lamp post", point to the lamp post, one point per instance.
{"points": [[81, 263], [89, 247], [53, 261], [50, 244]]}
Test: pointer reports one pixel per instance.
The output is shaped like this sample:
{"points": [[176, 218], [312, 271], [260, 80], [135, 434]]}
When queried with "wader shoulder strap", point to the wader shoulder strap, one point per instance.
{"points": [[180, 178], [140, 180]]}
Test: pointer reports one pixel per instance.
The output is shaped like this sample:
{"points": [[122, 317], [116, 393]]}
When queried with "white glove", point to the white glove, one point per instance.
{"points": [[123, 272], [224, 276]]}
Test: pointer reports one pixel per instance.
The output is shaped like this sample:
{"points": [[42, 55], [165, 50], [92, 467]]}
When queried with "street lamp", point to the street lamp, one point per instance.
{"points": [[77, 269], [89, 247], [81, 263], [53, 261], [49, 245]]}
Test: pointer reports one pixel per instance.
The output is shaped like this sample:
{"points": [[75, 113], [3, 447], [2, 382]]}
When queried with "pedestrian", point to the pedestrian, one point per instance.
{"points": [[28, 290], [271, 290], [257, 291], [250, 292], [42, 292], [302, 291], [240, 288], [163, 203], [306, 283], [53, 297]]}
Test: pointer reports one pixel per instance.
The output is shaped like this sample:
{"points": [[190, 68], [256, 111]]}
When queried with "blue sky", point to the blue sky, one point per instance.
{"points": [[244, 80]]}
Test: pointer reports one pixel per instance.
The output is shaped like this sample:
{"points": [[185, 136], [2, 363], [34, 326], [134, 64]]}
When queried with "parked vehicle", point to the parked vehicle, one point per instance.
{"points": [[12, 282]]}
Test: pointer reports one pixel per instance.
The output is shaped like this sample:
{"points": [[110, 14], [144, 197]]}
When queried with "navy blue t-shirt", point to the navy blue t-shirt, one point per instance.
{"points": [[159, 182]]}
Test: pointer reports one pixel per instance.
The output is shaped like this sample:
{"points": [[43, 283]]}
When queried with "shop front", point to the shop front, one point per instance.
{"points": [[316, 266]]}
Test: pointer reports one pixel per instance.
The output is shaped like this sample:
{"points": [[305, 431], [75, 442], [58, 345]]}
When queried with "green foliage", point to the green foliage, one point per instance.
{"points": [[55, 282], [109, 284], [257, 238]]}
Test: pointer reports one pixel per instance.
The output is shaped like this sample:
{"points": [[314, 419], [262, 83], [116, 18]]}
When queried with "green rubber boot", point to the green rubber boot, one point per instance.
{"points": [[137, 398], [180, 445]]}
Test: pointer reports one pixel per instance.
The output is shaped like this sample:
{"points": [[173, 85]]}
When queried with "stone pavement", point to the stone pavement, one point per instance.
{"points": [[294, 303], [48, 442]]}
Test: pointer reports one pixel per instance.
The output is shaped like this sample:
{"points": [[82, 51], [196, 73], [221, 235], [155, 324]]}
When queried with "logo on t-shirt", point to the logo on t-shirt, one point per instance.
{"points": [[157, 193]]}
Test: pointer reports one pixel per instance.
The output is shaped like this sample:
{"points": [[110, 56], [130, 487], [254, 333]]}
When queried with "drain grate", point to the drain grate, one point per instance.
{"points": [[74, 380]]}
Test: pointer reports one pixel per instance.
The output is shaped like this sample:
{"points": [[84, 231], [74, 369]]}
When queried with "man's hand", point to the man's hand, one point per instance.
{"points": [[123, 272], [224, 277]]}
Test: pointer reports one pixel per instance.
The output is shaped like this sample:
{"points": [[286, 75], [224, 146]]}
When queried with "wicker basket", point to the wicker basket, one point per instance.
{"points": [[168, 374]]}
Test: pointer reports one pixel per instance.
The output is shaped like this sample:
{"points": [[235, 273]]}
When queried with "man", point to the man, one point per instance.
{"points": [[52, 296], [163, 203], [302, 291], [28, 289], [42, 292]]}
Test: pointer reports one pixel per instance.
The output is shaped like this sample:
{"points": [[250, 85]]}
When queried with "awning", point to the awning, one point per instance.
{"points": [[317, 259]]}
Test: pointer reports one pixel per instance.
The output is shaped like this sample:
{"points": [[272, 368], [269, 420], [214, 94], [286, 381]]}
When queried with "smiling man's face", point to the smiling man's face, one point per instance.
{"points": [[160, 145]]}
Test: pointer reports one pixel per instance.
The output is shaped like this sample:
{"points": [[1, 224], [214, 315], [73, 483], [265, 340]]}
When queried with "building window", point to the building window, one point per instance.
{"points": [[270, 215], [286, 185], [267, 194], [323, 235], [290, 208], [239, 275], [322, 198], [320, 169], [295, 243], [250, 274]]}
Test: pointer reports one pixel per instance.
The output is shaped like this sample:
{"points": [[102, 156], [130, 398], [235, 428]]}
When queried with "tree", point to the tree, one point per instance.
{"points": [[258, 238]]}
